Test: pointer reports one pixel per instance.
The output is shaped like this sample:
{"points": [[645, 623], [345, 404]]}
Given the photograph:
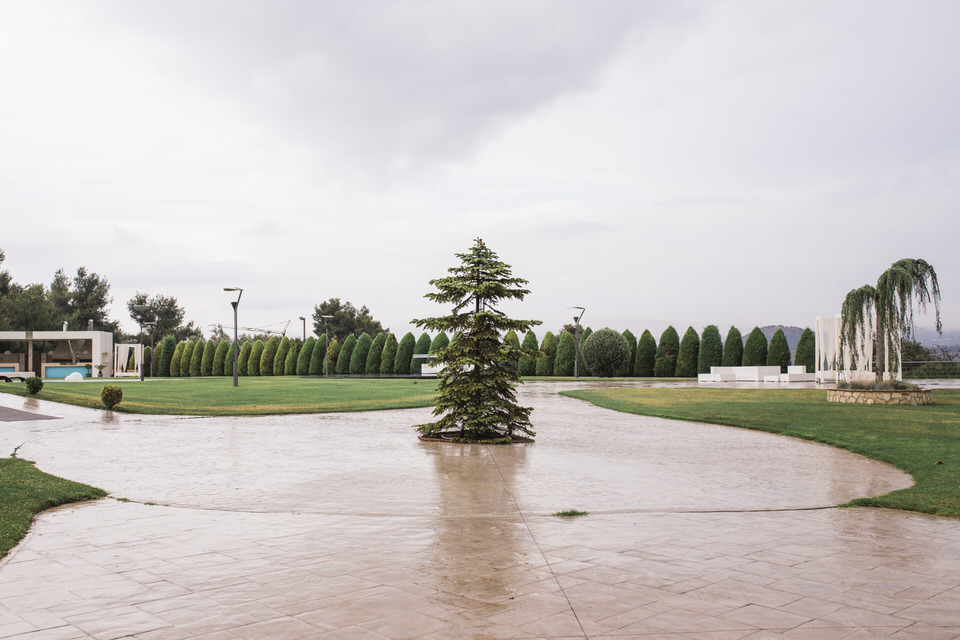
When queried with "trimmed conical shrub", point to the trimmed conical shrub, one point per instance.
{"points": [[584, 336], [755, 349], [319, 356], [269, 356], [290, 362], [186, 358], [421, 348], [389, 356], [665, 365], [346, 353], [778, 354], [528, 364], [440, 341], [401, 365], [224, 351], [305, 355], [711, 349], [147, 360], [333, 355], [646, 355], [605, 353], [548, 353], [243, 360], [733, 349], [566, 352], [206, 362], [280, 359], [372, 366], [162, 356], [688, 355], [256, 358], [807, 351], [177, 359], [512, 341], [632, 344], [196, 358], [358, 358]]}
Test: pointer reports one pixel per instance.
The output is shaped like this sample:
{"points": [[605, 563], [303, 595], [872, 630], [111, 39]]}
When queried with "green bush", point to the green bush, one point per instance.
{"points": [[177, 359], [223, 352], [166, 348], [646, 355], [665, 364], [605, 353], [280, 358], [711, 349], [243, 360], [778, 355], [527, 364], [584, 336], [688, 355], [209, 353], [34, 385], [389, 356], [422, 347], [346, 353], [733, 349], [401, 365], [566, 352], [319, 356], [755, 349], [332, 355], [372, 366], [358, 357], [256, 358], [290, 362], [632, 343], [807, 351], [196, 357], [111, 396], [305, 355], [548, 353]]}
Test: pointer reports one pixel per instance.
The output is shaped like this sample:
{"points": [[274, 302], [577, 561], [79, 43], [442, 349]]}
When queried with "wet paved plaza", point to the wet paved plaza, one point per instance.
{"points": [[345, 526]]}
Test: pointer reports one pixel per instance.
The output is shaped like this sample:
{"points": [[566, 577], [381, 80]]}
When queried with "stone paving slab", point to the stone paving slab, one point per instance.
{"points": [[417, 550]]}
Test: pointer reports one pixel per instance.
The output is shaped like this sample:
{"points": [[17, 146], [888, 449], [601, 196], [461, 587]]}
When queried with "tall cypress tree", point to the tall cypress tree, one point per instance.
{"points": [[733, 348], [177, 359], [269, 355], [584, 368], [280, 359], [632, 343], [476, 396], [243, 360], [688, 355], [421, 348], [346, 353], [566, 352], [255, 358], [440, 341], [528, 363], [389, 356], [778, 355], [755, 349], [807, 351], [186, 358], [206, 362], [196, 358], [646, 355], [290, 362], [711, 349], [167, 348], [372, 366], [305, 355], [548, 353], [510, 339], [333, 355], [665, 365], [401, 365], [358, 358], [319, 356], [224, 351]]}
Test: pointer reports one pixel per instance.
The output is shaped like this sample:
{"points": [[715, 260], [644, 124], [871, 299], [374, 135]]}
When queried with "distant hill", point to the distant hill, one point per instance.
{"points": [[792, 334], [929, 338]]}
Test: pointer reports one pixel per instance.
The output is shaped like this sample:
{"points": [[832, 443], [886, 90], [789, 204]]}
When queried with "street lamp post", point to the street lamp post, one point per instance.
{"points": [[326, 344], [304, 328], [576, 355], [153, 329], [141, 307], [236, 353]]}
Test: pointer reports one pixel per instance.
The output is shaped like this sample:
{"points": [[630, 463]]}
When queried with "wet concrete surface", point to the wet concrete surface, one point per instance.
{"points": [[346, 526]]}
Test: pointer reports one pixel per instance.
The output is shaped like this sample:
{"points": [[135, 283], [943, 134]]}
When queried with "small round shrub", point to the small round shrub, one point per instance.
{"points": [[111, 396], [606, 353], [34, 385]]}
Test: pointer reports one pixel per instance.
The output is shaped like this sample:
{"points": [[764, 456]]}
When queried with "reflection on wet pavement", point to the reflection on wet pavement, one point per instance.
{"points": [[345, 526]]}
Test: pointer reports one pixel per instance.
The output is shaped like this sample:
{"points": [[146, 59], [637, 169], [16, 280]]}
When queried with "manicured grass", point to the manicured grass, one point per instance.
{"points": [[923, 441], [26, 491], [254, 396]]}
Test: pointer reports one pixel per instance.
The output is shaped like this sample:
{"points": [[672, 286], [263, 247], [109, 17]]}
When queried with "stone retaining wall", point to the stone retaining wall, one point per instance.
{"points": [[865, 396]]}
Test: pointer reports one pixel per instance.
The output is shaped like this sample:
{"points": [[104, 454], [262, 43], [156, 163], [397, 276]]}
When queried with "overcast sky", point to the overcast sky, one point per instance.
{"points": [[684, 163]]}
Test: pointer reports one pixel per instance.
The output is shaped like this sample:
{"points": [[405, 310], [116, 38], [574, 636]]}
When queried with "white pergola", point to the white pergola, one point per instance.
{"points": [[101, 345]]}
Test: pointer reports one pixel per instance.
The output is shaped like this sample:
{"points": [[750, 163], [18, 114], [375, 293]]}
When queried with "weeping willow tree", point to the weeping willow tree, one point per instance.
{"points": [[476, 396], [885, 312]]}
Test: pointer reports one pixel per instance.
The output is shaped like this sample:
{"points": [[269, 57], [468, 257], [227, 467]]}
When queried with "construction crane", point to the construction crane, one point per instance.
{"points": [[263, 330]]}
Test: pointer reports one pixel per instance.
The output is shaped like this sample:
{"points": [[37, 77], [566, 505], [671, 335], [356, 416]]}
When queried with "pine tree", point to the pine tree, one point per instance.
{"points": [[243, 360], [319, 356], [528, 363], [665, 365], [224, 351], [566, 352], [755, 349], [632, 344], [401, 365], [196, 358], [206, 362], [389, 356], [372, 366], [778, 355], [688, 355], [333, 355], [177, 359], [421, 348], [646, 355], [346, 353], [358, 357], [280, 359], [256, 358], [290, 362], [548, 353], [605, 353], [303, 358], [807, 351], [711, 349], [733, 349], [269, 355], [476, 395]]}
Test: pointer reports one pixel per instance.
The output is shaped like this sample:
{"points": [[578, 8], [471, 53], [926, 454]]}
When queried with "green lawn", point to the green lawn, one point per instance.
{"points": [[25, 491], [923, 441], [254, 396]]}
